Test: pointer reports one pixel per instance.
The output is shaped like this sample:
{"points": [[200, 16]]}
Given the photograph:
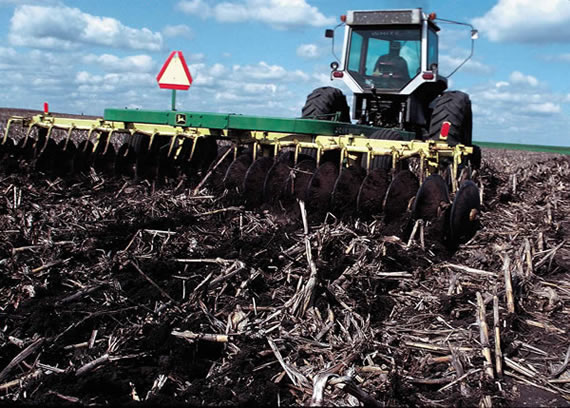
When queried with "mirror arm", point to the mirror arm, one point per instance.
{"points": [[465, 60], [474, 36], [332, 49]]}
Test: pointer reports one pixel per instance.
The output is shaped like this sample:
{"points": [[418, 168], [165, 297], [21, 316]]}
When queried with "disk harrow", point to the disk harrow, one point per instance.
{"points": [[268, 162]]}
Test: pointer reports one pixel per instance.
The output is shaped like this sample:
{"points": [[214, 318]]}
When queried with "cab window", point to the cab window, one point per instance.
{"points": [[384, 58], [432, 48]]}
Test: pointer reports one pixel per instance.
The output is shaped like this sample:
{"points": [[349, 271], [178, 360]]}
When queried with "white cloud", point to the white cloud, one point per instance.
{"points": [[564, 57], [11, 3], [36, 63], [112, 81], [516, 112], [517, 77], [218, 70], [527, 21], [260, 88], [545, 108], [180, 30], [112, 63], [308, 51], [7, 55], [194, 58], [199, 7], [72, 82], [448, 63], [244, 74], [453, 50], [248, 92], [67, 28], [510, 103], [264, 71], [280, 14]]}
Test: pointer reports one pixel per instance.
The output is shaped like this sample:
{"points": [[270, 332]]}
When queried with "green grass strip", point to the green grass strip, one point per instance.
{"points": [[529, 148]]}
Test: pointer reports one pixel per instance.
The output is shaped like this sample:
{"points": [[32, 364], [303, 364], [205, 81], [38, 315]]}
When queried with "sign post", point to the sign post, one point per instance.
{"points": [[174, 75]]}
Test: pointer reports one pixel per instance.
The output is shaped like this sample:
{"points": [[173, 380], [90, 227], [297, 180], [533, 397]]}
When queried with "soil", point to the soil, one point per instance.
{"points": [[118, 291]]}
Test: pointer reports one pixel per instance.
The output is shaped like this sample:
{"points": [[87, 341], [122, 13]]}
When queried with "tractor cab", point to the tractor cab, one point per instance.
{"points": [[390, 63], [393, 51]]}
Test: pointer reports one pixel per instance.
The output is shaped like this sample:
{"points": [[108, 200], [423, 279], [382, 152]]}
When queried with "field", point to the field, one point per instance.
{"points": [[117, 291]]}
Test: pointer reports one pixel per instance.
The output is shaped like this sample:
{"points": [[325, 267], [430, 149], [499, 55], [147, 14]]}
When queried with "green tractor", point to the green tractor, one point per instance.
{"points": [[406, 154]]}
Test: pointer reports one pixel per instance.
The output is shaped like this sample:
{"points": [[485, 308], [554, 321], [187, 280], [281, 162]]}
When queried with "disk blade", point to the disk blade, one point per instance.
{"points": [[403, 187], [430, 199], [372, 192], [319, 190], [125, 161], [254, 181], [463, 220], [345, 192], [235, 175]]}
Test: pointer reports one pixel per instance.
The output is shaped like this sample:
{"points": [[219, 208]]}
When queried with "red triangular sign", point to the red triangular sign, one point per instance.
{"points": [[174, 73]]}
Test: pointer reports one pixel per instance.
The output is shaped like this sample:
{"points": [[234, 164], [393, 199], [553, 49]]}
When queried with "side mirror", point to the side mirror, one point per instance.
{"points": [[334, 65], [329, 33]]}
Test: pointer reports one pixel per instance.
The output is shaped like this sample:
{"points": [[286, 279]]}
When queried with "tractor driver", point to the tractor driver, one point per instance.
{"points": [[392, 67]]}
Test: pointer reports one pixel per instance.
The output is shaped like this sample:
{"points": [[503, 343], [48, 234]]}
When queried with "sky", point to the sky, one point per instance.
{"points": [[263, 57]]}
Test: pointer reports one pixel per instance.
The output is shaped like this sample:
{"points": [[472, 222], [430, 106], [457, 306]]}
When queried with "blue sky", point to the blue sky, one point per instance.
{"points": [[263, 57]]}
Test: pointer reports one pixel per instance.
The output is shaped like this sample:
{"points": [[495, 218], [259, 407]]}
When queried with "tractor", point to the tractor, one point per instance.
{"points": [[403, 154], [390, 62]]}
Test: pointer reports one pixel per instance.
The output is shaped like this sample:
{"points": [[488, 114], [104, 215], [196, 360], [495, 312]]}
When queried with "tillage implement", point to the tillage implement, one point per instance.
{"points": [[405, 155]]}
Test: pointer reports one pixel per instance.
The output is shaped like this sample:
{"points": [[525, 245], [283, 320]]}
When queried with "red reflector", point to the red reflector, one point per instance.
{"points": [[46, 107], [445, 126], [428, 75], [343, 18], [338, 74], [432, 16]]}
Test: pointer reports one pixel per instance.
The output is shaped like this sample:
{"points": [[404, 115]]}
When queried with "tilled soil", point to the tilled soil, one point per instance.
{"points": [[121, 291]]}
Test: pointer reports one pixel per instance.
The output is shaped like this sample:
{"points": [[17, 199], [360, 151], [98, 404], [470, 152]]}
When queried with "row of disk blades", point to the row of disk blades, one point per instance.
{"points": [[273, 182], [133, 158], [394, 194]]}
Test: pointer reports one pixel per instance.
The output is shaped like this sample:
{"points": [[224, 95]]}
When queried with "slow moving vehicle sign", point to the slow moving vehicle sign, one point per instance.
{"points": [[174, 73]]}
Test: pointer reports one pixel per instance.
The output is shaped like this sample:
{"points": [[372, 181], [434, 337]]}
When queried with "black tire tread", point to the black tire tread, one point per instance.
{"points": [[382, 162], [454, 107], [326, 101], [137, 142]]}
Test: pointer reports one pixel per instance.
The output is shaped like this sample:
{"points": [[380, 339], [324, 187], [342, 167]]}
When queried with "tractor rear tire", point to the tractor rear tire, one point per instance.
{"points": [[382, 162], [453, 107], [323, 103]]}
